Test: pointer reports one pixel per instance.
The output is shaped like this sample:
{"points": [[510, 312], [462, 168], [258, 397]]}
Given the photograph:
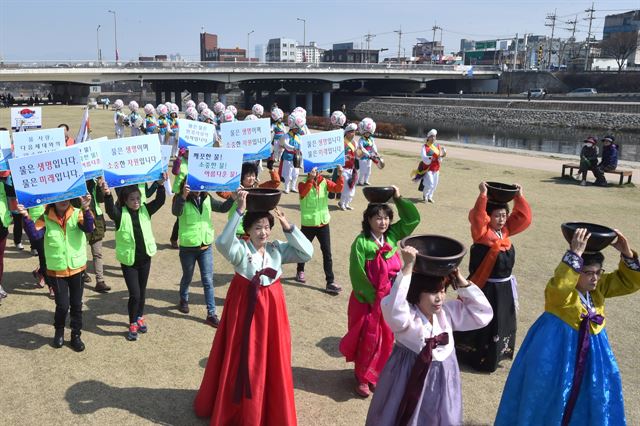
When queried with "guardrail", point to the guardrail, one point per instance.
{"points": [[247, 65]]}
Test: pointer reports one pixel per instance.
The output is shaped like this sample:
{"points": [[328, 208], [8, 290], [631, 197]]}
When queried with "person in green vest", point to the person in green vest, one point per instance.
{"points": [[5, 220], [96, 237], [135, 245], [193, 210], [40, 272], [314, 209], [179, 169], [249, 179], [373, 264], [63, 228]]}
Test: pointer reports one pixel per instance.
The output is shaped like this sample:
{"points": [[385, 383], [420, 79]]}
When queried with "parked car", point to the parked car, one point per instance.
{"points": [[536, 93], [583, 91]]}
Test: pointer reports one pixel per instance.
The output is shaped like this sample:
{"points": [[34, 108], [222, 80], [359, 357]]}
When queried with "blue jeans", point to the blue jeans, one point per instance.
{"points": [[188, 259]]}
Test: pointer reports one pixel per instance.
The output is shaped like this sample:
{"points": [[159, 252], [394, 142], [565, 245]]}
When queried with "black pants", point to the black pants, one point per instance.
{"points": [[68, 296], [136, 277], [597, 172], [38, 245], [323, 234], [174, 231], [17, 227]]}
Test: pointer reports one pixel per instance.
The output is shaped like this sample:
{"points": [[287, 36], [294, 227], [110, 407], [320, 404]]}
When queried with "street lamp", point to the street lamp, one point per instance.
{"points": [[115, 32], [304, 38], [98, 44], [248, 34]]}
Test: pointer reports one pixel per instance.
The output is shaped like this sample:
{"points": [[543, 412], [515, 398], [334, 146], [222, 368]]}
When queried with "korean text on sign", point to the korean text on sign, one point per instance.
{"points": [[253, 137], [214, 169], [37, 142], [46, 178], [132, 160], [195, 133], [323, 150]]}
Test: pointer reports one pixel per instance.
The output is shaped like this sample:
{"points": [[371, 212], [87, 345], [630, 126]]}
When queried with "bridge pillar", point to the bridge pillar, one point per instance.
{"points": [[222, 97], [326, 104], [247, 100], [207, 99], [167, 95], [292, 100], [158, 97], [177, 95], [309, 103]]}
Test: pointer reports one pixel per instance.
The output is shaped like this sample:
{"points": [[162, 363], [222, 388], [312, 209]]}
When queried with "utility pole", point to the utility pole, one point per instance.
{"points": [[115, 33], [588, 47], [552, 18], [399, 32], [515, 55], [368, 37]]}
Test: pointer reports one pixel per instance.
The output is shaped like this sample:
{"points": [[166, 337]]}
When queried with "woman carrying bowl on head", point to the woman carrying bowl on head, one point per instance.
{"points": [[492, 257], [565, 372], [248, 379], [373, 264]]}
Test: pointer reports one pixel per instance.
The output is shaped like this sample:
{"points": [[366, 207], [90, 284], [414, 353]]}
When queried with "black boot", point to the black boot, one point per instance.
{"points": [[58, 338], [76, 343]]}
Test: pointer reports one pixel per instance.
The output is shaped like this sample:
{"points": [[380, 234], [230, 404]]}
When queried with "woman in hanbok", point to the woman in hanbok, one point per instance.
{"points": [[248, 379], [420, 384], [490, 267], [373, 265], [565, 372]]}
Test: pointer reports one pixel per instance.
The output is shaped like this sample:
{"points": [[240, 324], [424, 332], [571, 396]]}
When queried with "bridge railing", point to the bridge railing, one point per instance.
{"points": [[192, 65]]}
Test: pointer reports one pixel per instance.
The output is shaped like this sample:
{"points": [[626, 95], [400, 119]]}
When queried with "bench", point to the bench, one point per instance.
{"points": [[622, 173]]}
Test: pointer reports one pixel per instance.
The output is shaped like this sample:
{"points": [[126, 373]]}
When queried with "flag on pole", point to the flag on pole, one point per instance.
{"points": [[84, 129]]}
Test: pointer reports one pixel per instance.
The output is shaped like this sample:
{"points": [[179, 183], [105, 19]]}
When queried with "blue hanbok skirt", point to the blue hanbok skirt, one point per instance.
{"points": [[540, 379]]}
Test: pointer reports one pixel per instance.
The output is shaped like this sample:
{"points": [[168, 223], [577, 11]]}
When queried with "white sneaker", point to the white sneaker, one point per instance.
{"points": [[286, 191], [3, 293], [341, 206], [19, 246], [294, 190], [349, 207]]}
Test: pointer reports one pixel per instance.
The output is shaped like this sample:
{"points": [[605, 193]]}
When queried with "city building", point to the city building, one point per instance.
{"points": [[628, 22], [281, 50], [261, 52], [428, 51], [311, 53], [210, 51], [345, 52]]}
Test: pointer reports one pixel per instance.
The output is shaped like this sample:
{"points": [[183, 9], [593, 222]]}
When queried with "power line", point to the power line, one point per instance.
{"points": [[590, 18], [552, 18]]}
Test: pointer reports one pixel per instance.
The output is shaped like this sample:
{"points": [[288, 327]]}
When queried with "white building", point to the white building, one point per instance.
{"points": [[281, 50], [261, 52], [311, 53]]}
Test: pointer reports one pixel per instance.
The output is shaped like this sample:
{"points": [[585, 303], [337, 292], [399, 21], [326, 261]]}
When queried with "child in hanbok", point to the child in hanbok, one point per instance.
{"points": [[565, 371], [420, 384], [248, 379]]}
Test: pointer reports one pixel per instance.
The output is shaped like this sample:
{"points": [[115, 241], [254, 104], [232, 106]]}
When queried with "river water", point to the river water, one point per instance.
{"points": [[552, 139]]}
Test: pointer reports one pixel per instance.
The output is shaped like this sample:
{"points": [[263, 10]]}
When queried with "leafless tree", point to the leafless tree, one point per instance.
{"points": [[619, 46]]}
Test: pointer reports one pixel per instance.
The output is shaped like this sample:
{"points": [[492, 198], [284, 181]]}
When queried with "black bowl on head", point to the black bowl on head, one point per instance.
{"points": [[378, 194], [601, 236], [437, 255], [262, 199], [501, 192]]}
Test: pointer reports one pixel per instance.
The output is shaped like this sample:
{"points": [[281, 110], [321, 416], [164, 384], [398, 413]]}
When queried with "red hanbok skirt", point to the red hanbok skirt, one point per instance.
{"points": [[272, 401]]}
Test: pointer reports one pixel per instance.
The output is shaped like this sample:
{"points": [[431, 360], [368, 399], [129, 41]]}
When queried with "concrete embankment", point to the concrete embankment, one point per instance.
{"points": [[518, 113]]}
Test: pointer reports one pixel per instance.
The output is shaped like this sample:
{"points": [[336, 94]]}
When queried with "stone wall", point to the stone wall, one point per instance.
{"points": [[506, 113]]}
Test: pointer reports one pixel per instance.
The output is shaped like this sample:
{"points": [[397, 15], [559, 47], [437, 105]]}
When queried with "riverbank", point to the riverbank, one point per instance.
{"points": [[509, 113]]}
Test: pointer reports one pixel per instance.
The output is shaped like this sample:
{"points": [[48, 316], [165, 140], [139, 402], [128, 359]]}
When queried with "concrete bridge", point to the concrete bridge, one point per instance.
{"points": [[172, 78]]}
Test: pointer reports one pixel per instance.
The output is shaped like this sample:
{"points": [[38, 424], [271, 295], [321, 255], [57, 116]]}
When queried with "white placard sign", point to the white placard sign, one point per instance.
{"points": [[252, 136], [90, 157], [323, 150], [5, 149], [166, 156], [127, 161], [37, 142], [49, 177], [195, 133], [214, 169], [26, 117]]}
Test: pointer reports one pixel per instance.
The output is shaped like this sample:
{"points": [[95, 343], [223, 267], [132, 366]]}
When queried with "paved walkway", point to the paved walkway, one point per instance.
{"points": [[526, 159]]}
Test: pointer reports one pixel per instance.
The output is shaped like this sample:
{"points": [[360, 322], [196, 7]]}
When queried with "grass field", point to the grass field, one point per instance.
{"points": [[155, 379]]}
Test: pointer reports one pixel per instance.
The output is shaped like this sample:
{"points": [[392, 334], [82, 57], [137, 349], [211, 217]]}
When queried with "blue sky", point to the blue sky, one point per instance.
{"points": [[66, 29]]}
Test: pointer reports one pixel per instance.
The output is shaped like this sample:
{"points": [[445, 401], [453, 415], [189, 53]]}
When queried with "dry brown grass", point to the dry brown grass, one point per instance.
{"points": [[154, 380]]}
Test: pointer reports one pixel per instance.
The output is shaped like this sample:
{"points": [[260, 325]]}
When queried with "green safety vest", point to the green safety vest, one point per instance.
{"points": [[240, 227], [196, 229], [64, 248], [182, 175], [314, 208], [95, 201], [5, 213], [125, 240], [143, 192], [36, 212]]}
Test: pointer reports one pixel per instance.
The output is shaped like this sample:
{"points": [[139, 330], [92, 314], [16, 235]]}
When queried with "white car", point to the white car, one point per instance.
{"points": [[584, 91]]}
